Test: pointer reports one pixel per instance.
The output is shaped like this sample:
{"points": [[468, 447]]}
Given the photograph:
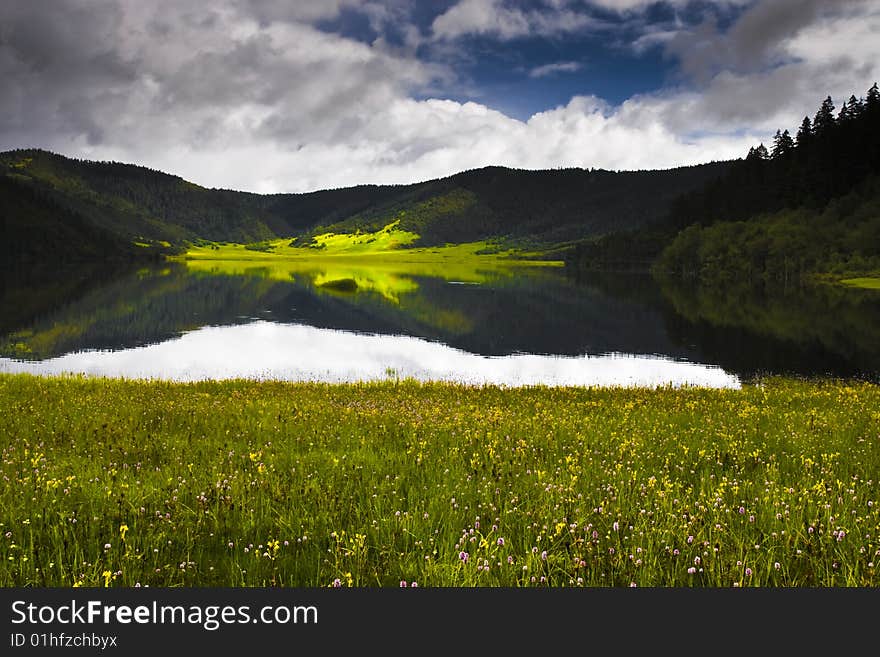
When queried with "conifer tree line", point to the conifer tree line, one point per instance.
{"points": [[804, 205], [827, 157], [806, 209]]}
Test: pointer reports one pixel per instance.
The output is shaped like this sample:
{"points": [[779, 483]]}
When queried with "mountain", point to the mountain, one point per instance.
{"points": [[547, 207], [55, 206]]}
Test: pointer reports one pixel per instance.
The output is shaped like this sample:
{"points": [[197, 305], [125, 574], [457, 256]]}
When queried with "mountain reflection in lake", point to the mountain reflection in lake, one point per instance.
{"points": [[345, 320]]}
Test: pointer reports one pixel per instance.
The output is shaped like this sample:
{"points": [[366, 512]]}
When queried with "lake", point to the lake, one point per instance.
{"points": [[345, 321]]}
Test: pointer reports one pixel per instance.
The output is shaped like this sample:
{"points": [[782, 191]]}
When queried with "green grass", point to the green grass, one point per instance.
{"points": [[346, 263], [388, 244], [261, 483], [386, 239], [866, 283]]}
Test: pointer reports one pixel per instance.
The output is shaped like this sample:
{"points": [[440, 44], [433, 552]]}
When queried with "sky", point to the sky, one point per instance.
{"points": [[280, 96]]}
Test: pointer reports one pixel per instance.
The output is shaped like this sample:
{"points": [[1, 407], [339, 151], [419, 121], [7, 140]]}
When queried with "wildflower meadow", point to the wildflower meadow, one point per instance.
{"points": [[399, 483]]}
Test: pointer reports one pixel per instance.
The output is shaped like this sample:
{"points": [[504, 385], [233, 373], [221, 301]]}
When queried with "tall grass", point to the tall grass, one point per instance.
{"points": [[122, 483]]}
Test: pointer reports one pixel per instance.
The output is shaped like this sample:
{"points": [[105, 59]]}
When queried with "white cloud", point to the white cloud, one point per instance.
{"points": [[268, 11], [853, 36], [836, 54], [762, 37], [554, 68], [651, 38], [495, 18], [623, 6], [411, 140]]}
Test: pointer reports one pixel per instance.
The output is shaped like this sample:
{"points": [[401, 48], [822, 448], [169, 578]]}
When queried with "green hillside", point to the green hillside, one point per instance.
{"points": [[122, 204], [34, 228], [547, 207], [784, 247]]}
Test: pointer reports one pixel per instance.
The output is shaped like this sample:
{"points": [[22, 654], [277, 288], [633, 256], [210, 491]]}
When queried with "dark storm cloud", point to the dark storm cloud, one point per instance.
{"points": [[247, 70], [56, 41], [270, 11], [753, 42], [85, 70], [56, 65]]}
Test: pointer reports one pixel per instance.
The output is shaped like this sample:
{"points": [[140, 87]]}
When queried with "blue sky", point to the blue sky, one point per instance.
{"points": [[532, 72], [274, 95]]}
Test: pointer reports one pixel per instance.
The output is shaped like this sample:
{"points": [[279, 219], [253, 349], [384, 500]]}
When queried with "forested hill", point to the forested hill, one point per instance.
{"points": [[547, 207], [826, 158], [140, 204], [807, 204], [35, 228], [53, 206]]}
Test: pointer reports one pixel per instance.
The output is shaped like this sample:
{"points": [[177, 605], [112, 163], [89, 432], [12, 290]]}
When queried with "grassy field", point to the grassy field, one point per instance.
{"points": [[869, 283], [120, 483], [388, 245], [363, 262]]}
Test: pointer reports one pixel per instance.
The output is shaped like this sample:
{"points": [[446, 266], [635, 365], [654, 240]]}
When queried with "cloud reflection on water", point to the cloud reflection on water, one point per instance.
{"points": [[297, 352]]}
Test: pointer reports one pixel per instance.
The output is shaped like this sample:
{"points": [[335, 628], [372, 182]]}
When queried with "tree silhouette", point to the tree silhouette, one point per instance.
{"points": [[805, 132], [856, 107], [783, 145], [757, 153], [844, 114], [824, 121], [872, 101]]}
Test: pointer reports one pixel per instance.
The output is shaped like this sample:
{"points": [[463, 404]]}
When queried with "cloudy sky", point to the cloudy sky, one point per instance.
{"points": [[275, 95]]}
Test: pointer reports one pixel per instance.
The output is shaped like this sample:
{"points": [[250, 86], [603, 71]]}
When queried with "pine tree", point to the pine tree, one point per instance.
{"points": [[856, 107], [805, 132], [787, 142], [824, 121], [783, 144], [872, 102], [845, 114], [777, 138]]}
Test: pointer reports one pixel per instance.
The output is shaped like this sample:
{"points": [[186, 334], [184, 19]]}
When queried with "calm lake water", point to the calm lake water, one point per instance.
{"points": [[336, 322]]}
